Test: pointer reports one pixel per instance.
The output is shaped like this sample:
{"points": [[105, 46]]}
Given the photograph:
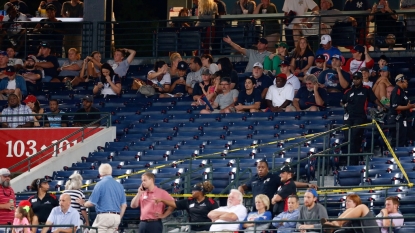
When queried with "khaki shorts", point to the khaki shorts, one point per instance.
{"points": [[292, 108]]}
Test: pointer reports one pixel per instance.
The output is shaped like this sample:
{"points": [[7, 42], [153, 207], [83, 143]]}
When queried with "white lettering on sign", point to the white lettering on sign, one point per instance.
{"points": [[18, 148]]}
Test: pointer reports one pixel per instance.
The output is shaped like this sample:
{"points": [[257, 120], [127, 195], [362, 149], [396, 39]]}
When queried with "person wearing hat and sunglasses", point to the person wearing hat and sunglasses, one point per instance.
{"points": [[355, 101], [91, 113], [42, 202], [400, 109], [198, 206], [7, 198], [13, 84]]}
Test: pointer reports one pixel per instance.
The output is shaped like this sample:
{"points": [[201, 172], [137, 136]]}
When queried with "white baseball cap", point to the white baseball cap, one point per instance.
{"points": [[258, 64], [325, 39], [4, 172]]}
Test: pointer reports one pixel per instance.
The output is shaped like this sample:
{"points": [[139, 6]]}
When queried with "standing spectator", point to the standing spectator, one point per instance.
{"points": [[233, 212], [160, 77], [175, 58], [359, 5], [55, 3], [42, 202], [287, 188], [119, 65], [14, 108], [69, 72], [34, 105], [109, 201], [13, 61], [73, 35], [151, 211], [309, 97], [254, 56], [12, 27], [271, 28], [280, 95], [335, 79], [224, 101], [47, 62], [409, 20], [73, 188], [262, 213], [184, 12], [302, 59], [272, 62], [207, 62], [63, 214], [54, 118], [292, 213], [91, 113], [195, 74], [207, 10], [291, 78], [198, 206], [109, 84], [361, 58], [311, 210], [390, 210], [7, 198], [383, 82], [20, 6], [249, 100], [195, 6], [243, 7], [13, 84], [385, 22], [226, 68], [221, 7], [327, 50], [292, 8]]}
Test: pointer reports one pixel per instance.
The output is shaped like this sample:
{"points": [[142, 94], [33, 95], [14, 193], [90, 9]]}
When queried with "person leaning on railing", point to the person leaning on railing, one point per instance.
{"points": [[385, 24]]}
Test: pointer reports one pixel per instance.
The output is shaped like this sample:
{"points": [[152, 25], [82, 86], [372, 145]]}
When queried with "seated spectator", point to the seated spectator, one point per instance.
{"points": [[13, 84], [388, 96], [249, 100], [243, 7], [14, 108], [47, 62], [226, 68], [4, 60], [291, 78], [271, 28], [12, 27], [207, 63], [308, 98], [175, 58], [383, 61], [262, 213], [20, 6], [233, 212], [195, 76], [54, 117], [224, 101], [366, 77], [254, 56], [63, 214], [390, 210], [206, 88], [361, 58], [109, 84], [385, 22], [13, 61], [302, 59], [32, 76], [91, 113], [69, 72], [178, 88], [311, 210], [320, 66], [379, 88], [34, 105], [119, 65], [285, 226], [160, 78], [280, 95], [272, 62], [31, 217], [335, 79], [263, 82], [327, 50], [91, 66]]}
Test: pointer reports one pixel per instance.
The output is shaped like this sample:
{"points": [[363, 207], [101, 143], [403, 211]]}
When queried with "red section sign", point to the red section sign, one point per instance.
{"points": [[18, 144]]}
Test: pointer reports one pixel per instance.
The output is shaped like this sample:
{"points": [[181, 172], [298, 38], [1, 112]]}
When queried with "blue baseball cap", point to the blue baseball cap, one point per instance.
{"points": [[313, 191], [3, 53], [385, 68]]}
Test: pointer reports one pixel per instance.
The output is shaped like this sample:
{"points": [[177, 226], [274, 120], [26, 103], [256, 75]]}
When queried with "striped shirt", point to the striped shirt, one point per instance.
{"points": [[5, 195], [76, 194], [14, 121]]}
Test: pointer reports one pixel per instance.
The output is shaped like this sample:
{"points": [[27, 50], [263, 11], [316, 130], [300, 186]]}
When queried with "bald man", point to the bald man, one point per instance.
{"points": [[63, 214]]}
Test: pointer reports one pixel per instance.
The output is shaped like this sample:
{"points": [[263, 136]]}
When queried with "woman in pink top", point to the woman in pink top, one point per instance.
{"points": [[20, 218]]}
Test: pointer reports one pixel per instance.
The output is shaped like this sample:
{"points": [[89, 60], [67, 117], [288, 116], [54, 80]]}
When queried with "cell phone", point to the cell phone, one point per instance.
{"points": [[142, 187], [100, 83], [159, 85], [380, 6]]}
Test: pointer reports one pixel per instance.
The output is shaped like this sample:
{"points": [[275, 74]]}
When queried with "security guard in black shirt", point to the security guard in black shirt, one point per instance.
{"points": [[198, 206], [43, 202], [399, 111], [355, 100]]}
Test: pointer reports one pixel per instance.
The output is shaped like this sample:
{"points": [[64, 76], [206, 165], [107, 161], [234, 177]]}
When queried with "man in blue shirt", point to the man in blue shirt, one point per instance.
{"points": [[285, 226], [63, 214], [250, 99], [109, 200], [327, 50], [335, 79], [308, 98]]}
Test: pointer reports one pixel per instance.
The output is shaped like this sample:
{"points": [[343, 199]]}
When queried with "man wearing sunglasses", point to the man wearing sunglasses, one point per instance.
{"points": [[355, 102], [7, 198]]}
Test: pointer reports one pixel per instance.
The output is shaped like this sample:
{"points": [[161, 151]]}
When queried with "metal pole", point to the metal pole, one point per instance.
{"points": [[298, 160], [397, 134], [349, 133]]}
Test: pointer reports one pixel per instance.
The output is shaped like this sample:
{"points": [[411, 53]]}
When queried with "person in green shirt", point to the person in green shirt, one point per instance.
{"points": [[272, 62]]}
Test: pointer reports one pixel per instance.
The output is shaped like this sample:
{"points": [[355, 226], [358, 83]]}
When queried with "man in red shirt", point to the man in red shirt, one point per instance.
{"points": [[7, 198]]}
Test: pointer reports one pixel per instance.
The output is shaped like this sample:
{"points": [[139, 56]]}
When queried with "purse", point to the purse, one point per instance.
{"points": [[142, 87]]}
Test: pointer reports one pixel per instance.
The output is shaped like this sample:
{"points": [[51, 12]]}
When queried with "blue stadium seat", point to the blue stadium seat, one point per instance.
{"points": [[348, 178]]}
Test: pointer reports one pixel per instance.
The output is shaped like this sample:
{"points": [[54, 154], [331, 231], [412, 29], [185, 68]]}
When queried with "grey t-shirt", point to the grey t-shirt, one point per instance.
{"points": [[194, 77], [254, 57], [317, 212], [226, 100], [65, 73], [120, 68]]}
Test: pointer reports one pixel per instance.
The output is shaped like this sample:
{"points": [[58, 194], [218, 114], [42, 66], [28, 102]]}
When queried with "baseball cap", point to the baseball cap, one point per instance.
{"points": [[45, 44], [385, 68], [285, 63], [358, 49], [384, 57], [258, 64], [10, 70], [358, 75], [30, 98], [44, 180], [320, 58], [206, 72], [50, 7], [198, 187], [287, 168], [31, 57], [182, 65], [325, 39], [364, 69], [338, 57], [25, 203], [281, 75], [253, 80], [4, 172], [263, 41], [313, 191], [282, 44], [400, 77], [3, 53], [89, 98]]}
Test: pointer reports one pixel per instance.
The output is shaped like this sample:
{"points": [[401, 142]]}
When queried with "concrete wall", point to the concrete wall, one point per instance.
{"points": [[66, 158]]}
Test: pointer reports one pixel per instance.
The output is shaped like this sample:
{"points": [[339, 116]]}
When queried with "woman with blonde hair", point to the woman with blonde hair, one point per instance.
{"points": [[262, 214], [175, 58], [208, 9], [73, 188]]}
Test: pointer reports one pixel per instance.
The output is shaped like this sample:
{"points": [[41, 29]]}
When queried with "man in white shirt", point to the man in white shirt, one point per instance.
{"points": [[16, 62], [233, 212], [195, 76], [280, 95]]}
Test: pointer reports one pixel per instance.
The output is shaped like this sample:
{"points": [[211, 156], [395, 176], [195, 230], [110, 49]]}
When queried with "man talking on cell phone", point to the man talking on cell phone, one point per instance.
{"points": [[151, 212]]}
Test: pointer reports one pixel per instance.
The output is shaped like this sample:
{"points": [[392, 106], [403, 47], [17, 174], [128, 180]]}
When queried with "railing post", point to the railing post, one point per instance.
{"points": [[349, 133]]}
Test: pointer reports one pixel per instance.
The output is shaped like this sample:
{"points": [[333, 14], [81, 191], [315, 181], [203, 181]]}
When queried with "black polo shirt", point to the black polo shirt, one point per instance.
{"points": [[85, 119], [398, 98], [198, 211], [267, 185], [284, 191], [357, 99], [43, 207]]}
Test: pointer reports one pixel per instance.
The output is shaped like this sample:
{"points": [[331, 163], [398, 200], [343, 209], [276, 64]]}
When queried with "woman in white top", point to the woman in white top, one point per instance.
{"points": [[73, 188], [207, 61], [109, 83], [160, 78]]}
